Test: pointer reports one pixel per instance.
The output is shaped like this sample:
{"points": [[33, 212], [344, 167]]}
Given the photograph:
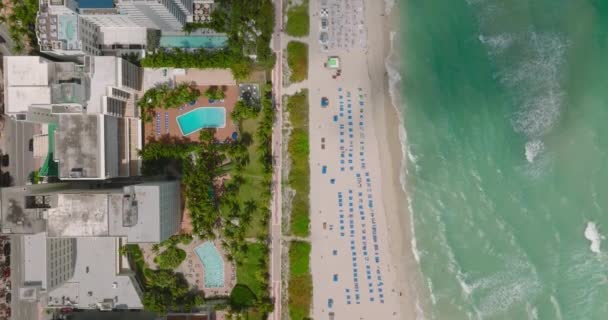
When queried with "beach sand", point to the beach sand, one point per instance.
{"points": [[365, 69]]}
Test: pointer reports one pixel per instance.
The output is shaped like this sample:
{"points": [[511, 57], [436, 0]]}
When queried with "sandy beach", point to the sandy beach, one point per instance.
{"points": [[362, 262]]}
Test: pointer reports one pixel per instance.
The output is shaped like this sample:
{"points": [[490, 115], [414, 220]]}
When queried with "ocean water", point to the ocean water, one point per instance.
{"points": [[505, 107]]}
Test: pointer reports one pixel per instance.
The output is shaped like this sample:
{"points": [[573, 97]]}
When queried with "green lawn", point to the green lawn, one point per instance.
{"points": [[298, 21], [297, 59], [299, 175], [250, 189], [246, 272], [300, 280]]}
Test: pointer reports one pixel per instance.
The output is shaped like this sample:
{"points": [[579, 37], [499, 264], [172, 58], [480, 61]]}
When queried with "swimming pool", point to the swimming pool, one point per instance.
{"points": [[212, 263], [199, 118], [193, 41]]}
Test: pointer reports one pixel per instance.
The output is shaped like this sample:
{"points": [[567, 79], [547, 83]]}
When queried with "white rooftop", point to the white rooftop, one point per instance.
{"points": [[26, 80], [26, 71], [18, 99], [106, 73], [79, 215], [142, 222], [34, 258], [96, 277]]}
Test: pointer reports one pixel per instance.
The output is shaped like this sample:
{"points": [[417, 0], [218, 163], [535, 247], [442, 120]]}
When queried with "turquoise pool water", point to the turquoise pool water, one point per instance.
{"points": [[199, 118], [194, 41], [213, 263]]}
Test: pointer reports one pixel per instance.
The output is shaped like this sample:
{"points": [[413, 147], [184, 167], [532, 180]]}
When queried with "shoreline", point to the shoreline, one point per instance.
{"points": [[349, 246], [388, 122]]}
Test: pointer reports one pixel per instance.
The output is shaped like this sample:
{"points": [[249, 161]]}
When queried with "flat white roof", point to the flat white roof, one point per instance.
{"points": [[34, 258], [26, 71], [26, 81], [105, 74], [79, 215], [145, 216], [96, 277], [18, 99], [123, 35]]}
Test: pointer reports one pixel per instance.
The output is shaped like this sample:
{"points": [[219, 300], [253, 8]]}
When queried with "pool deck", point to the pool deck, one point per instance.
{"points": [[170, 131], [193, 270]]}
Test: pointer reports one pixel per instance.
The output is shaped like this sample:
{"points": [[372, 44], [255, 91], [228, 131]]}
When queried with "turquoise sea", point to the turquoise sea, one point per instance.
{"points": [[506, 113]]}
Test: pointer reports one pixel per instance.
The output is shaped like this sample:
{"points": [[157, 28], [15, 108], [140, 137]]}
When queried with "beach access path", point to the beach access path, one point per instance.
{"points": [[277, 147]]}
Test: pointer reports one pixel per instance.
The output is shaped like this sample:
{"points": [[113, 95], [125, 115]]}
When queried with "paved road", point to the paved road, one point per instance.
{"points": [[277, 140], [15, 142]]}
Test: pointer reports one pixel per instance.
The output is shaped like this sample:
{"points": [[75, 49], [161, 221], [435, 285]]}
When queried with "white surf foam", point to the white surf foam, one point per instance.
{"points": [[392, 67], [593, 235], [535, 83], [430, 286], [558, 310], [496, 43], [517, 283], [531, 311], [533, 149]]}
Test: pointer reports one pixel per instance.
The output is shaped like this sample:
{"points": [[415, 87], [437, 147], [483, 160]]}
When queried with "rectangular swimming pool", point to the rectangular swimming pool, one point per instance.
{"points": [[200, 118], [193, 41]]}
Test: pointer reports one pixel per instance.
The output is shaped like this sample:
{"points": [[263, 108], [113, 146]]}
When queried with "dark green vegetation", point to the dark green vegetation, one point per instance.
{"points": [[216, 92], [241, 298], [227, 188], [240, 65], [164, 290], [21, 22], [298, 21], [297, 59], [248, 24], [170, 258], [299, 175], [300, 280], [166, 97]]}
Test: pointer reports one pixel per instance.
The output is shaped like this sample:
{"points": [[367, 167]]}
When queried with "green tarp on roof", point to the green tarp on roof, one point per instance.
{"points": [[50, 168]]}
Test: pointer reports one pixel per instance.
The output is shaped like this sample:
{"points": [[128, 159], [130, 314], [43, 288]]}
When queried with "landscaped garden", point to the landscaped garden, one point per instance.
{"points": [[227, 192], [163, 96]]}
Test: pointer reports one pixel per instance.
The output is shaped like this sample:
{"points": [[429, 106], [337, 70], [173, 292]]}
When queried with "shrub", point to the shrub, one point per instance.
{"points": [[299, 175], [297, 59], [165, 97], [170, 258], [298, 21], [215, 93], [242, 298], [300, 280]]}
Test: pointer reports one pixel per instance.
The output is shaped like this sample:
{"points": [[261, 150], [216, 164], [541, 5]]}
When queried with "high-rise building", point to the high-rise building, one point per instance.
{"points": [[144, 212], [65, 29], [164, 15], [73, 232], [90, 108], [48, 263]]}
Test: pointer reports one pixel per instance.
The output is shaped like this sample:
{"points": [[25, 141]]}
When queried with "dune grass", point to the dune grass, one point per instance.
{"points": [[299, 175], [300, 280], [298, 21], [297, 59]]}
